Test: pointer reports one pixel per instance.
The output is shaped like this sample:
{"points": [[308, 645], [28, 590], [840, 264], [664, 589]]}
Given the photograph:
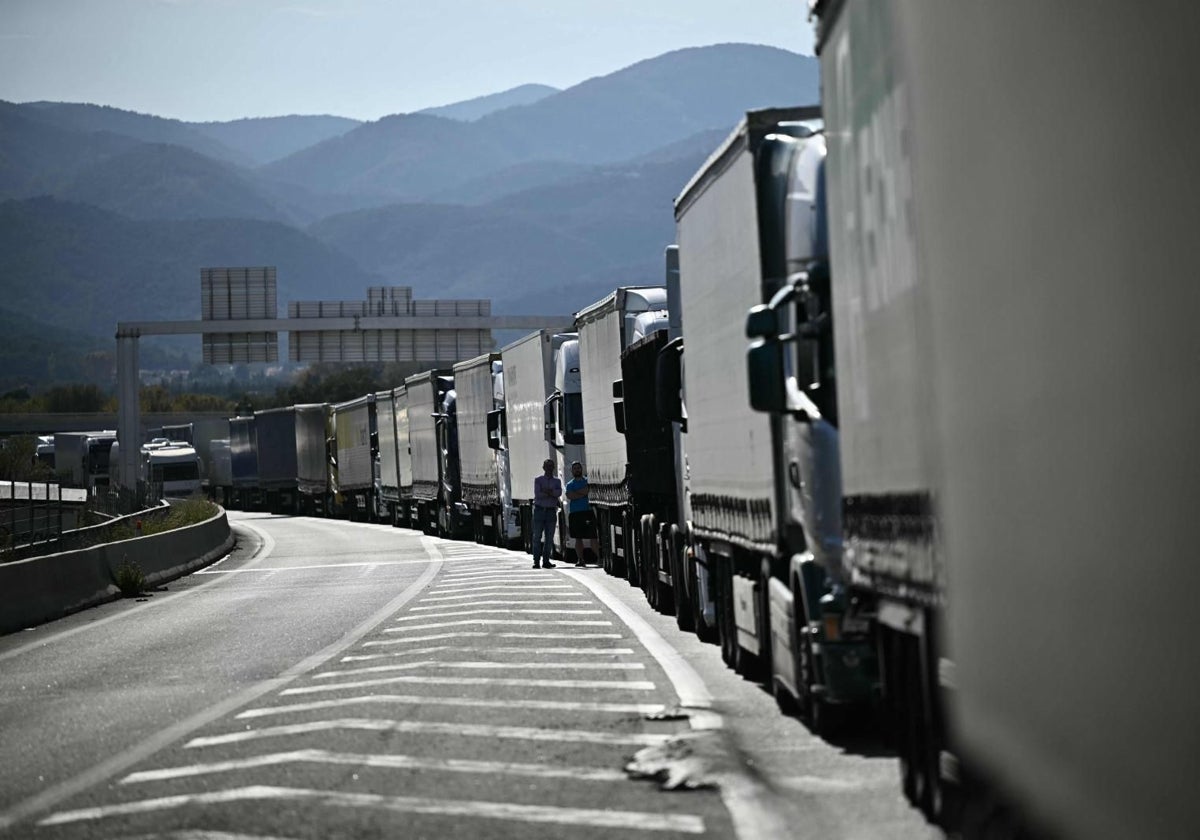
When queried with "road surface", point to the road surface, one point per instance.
{"points": [[334, 679]]}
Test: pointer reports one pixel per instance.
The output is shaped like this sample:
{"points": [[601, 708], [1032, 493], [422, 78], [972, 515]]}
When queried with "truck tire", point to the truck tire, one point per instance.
{"points": [[766, 667], [684, 619], [704, 632], [726, 626], [647, 560], [662, 551], [632, 555]]}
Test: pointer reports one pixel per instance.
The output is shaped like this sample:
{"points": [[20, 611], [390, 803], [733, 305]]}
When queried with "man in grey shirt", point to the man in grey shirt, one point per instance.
{"points": [[547, 490]]}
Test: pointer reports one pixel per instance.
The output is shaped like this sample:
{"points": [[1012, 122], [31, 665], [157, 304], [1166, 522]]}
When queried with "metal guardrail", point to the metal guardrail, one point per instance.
{"points": [[38, 518]]}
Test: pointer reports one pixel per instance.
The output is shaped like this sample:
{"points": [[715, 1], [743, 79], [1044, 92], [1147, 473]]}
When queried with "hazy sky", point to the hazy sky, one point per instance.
{"points": [[224, 59]]}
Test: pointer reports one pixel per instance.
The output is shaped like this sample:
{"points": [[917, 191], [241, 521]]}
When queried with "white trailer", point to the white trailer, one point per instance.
{"points": [[388, 503], [354, 423], [1018, 393], [220, 474], [81, 459], [543, 415], [426, 429], [483, 462], [404, 461], [606, 329]]}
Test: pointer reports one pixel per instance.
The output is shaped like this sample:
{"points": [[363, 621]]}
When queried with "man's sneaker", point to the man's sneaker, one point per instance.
{"points": [[536, 565], [547, 565]]}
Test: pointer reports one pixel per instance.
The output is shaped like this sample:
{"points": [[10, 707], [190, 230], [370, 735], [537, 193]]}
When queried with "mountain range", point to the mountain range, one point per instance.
{"points": [[538, 198]]}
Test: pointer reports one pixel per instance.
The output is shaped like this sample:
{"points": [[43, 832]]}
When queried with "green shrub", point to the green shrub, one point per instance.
{"points": [[130, 579]]}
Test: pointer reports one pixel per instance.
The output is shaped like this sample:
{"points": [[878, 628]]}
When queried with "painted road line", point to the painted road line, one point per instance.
{"points": [[119, 763], [481, 574], [425, 699], [311, 566], [544, 814], [385, 762], [545, 596], [690, 688], [487, 666], [539, 602], [497, 622], [546, 651], [266, 544], [194, 834], [495, 610], [419, 727], [414, 679], [469, 634], [516, 586]]}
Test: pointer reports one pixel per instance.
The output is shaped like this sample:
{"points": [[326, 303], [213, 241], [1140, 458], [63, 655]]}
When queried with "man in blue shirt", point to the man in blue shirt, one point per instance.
{"points": [[581, 522], [547, 490]]}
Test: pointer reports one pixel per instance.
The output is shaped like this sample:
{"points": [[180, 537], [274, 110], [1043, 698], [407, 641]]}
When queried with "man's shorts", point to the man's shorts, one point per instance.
{"points": [[582, 525]]}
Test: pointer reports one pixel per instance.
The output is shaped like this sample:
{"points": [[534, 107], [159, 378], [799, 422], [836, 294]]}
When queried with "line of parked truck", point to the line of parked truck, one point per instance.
{"points": [[852, 440]]}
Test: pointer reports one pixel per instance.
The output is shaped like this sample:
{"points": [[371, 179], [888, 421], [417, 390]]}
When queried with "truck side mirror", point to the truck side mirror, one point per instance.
{"points": [[668, 373], [548, 419], [618, 393], [764, 363], [496, 429], [762, 322]]}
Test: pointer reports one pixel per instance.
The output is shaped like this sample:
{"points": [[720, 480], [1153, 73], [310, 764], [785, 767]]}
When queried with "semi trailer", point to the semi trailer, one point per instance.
{"points": [[1017, 401], [482, 455], [620, 499], [533, 399]]}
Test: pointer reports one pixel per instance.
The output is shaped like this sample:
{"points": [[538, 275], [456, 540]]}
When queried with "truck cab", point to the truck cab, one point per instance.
{"points": [[821, 648]]}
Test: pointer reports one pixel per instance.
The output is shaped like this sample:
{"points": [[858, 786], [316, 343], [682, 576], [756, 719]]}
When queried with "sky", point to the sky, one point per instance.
{"points": [[201, 60]]}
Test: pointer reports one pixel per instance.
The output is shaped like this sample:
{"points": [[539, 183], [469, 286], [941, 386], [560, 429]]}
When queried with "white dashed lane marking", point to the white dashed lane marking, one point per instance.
{"points": [[386, 762], [470, 702], [588, 817], [483, 634], [516, 682], [494, 622], [475, 730], [546, 651], [485, 666]]}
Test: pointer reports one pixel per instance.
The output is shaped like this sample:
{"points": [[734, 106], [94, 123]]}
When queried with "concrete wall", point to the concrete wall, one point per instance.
{"points": [[41, 589]]}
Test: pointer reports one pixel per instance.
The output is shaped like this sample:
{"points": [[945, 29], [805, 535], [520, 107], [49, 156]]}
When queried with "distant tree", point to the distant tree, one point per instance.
{"points": [[332, 383], [202, 402], [74, 399], [17, 461], [156, 398]]}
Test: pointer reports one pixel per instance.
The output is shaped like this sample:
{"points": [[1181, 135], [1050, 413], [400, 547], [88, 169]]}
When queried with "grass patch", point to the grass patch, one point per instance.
{"points": [[130, 578], [181, 514]]}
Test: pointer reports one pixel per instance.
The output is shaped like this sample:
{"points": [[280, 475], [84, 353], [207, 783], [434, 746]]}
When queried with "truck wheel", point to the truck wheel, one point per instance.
{"points": [[726, 627], [704, 632], [766, 645], [632, 557], [647, 561], [666, 591], [684, 619]]}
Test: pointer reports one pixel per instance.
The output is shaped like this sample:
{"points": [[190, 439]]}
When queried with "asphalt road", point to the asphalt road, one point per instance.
{"points": [[332, 679]]}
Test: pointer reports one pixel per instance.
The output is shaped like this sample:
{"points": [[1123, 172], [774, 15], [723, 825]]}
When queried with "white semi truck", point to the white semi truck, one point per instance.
{"points": [[620, 499], [482, 456], [1016, 365], [355, 448], [543, 415]]}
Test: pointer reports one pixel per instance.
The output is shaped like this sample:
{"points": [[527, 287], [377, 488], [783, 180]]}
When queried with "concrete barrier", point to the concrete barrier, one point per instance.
{"points": [[41, 589]]}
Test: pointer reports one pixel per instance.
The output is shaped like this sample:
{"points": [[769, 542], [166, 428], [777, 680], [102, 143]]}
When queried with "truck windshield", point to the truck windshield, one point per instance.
{"points": [[177, 472], [572, 427]]}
